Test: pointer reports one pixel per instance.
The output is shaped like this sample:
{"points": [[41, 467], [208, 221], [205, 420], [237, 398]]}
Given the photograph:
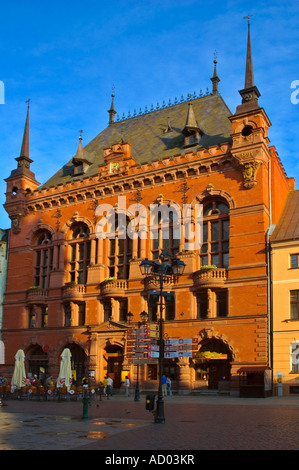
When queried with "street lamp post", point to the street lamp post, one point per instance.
{"points": [[161, 270], [137, 391]]}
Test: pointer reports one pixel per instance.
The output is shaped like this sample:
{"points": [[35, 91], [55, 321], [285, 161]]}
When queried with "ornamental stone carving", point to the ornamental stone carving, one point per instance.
{"points": [[249, 170]]}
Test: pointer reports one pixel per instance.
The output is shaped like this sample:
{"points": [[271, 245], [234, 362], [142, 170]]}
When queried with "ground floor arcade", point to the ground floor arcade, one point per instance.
{"points": [[103, 350]]}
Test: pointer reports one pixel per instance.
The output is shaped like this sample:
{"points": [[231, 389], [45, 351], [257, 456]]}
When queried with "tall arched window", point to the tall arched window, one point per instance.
{"points": [[119, 251], [165, 230], [215, 247], [80, 253], [43, 259]]}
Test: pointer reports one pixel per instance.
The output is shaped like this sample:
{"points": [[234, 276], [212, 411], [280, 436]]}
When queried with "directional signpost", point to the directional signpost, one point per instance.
{"points": [[137, 344], [152, 330], [140, 341], [153, 350], [142, 345], [180, 347]]}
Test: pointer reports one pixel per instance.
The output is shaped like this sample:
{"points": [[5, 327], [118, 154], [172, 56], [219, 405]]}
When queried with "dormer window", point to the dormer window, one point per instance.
{"points": [[191, 138], [191, 130], [78, 168], [80, 160]]}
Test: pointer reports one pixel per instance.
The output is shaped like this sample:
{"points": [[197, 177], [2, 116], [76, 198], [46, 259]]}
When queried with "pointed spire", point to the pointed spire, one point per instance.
{"points": [[215, 79], [112, 111], [250, 93], [191, 130], [249, 77], [25, 143], [81, 157], [191, 122], [80, 152], [24, 160]]}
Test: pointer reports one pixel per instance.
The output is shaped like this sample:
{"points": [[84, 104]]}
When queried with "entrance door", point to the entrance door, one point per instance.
{"points": [[216, 357], [114, 357], [114, 370], [79, 363], [38, 363], [218, 370]]}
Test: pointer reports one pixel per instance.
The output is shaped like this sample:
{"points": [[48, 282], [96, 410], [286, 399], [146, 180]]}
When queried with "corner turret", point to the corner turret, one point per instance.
{"points": [[21, 182]]}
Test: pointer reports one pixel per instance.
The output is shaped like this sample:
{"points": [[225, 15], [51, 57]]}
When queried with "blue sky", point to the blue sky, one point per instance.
{"points": [[66, 56]]}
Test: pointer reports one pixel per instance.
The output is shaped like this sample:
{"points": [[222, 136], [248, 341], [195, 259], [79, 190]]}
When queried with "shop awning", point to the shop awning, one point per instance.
{"points": [[40, 357], [252, 369]]}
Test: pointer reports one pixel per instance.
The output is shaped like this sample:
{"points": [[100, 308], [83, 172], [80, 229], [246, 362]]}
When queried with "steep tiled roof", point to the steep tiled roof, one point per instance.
{"points": [[156, 135], [288, 225]]}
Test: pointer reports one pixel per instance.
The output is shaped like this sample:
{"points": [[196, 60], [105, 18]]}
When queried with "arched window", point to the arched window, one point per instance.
{"points": [[37, 362], [43, 259], [165, 228], [78, 362], [215, 247], [119, 251], [80, 253]]}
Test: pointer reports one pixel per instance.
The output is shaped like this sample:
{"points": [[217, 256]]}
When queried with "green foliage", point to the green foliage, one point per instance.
{"points": [[209, 354], [113, 278], [207, 267]]}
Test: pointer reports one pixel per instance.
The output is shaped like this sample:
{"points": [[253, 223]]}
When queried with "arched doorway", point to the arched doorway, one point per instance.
{"points": [[37, 362], [113, 355], [213, 363], [79, 362]]}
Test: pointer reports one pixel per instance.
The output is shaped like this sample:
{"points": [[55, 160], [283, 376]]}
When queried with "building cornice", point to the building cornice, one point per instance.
{"points": [[166, 172]]}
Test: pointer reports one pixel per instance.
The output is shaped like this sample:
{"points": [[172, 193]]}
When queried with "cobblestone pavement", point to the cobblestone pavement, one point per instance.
{"points": [[120, 423]]}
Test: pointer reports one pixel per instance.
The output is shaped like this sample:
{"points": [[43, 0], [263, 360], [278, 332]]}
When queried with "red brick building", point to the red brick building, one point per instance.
{"points": [[66, 287]]}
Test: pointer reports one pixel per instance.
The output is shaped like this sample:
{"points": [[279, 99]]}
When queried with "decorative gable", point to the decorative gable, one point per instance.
{"points": [[117, 160]]}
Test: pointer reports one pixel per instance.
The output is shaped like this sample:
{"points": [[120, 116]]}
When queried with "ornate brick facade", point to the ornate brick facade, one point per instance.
{"points": [[67, 287]]}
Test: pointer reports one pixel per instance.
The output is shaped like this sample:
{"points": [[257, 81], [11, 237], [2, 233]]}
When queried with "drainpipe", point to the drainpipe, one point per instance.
{"points": [[269, 268], [269, 292], [3, 287]]}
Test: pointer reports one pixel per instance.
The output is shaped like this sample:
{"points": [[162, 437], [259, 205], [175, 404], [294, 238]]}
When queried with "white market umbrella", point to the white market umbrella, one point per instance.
{"points": [[19, 375], [65, 374]]}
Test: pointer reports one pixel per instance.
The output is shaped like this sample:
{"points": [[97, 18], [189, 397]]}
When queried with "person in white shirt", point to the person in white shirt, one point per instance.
{"points": [[127, 386], [109, 386]]}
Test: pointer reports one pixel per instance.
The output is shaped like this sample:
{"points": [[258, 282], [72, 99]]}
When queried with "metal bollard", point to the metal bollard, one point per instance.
{"points": [[279, 389], [150, 402], [85, 405]]}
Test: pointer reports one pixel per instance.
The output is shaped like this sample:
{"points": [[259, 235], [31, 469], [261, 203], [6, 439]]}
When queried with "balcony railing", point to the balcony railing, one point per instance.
{"points": [[114, 287], [152, 282], [37, 294], [213, 276], [73, 291]]}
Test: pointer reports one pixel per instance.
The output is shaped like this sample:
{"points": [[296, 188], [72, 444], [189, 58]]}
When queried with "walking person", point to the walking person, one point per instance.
{"points": [[127, 386], [105, 386], [164, 385], [169, 391], [109, 386]]}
